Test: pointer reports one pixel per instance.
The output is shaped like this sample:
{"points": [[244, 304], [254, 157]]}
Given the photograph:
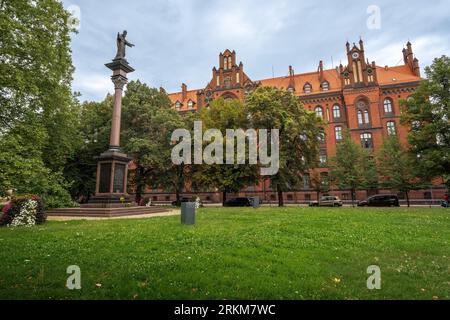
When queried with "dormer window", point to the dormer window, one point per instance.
{"points": [[191, 104], [291, 90], [325, 86], [178, 105], [307, 88]]}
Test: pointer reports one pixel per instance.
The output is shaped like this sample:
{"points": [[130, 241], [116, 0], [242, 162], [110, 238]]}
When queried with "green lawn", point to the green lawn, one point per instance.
{"points": [[270, 253]]}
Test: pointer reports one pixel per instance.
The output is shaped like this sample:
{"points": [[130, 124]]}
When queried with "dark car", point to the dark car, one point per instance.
{"points": [[239, 202], [381, 200]]}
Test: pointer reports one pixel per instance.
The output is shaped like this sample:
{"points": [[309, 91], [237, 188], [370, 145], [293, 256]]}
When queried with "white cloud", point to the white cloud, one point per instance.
{"points": [[93, 85]]}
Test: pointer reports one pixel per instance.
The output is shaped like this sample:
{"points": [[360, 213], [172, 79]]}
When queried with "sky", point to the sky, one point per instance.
{"points": [[180, 40]]}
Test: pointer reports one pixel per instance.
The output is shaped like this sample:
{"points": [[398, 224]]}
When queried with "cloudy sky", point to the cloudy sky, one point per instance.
{"points": [[180, 40]]}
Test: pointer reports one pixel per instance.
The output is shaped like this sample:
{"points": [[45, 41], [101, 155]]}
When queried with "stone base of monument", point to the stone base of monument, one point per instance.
{"points": [[105, 212]]}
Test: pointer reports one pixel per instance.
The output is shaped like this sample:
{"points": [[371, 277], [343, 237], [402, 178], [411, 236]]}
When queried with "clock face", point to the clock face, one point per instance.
{"points": [[355, 55]]}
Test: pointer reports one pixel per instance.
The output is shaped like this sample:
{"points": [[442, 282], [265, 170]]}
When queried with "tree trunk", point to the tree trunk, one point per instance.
{"points": [[407, 198], [224, 198], [318, 195], [140, 183], [353, 197], [280, 199]]}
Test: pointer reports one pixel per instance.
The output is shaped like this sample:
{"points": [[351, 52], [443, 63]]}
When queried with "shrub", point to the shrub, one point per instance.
{"points": [[26, 210]]}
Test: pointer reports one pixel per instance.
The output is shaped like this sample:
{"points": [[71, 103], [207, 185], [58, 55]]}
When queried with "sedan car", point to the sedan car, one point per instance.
{"points": [[328, 201], [239, 202], [381, 200]]}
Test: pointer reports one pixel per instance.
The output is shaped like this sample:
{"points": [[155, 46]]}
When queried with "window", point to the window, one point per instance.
{"points": [[324, 178], [366, 117], [388, 106], [319, 111], [325, 86], [363, 114], [321, 137], [360, 118], [323, 157], [307, 88], [178, 105], [291, 89], [306, 181], [336, 112], [338, 133], [366, 141], [391, 128], [229, 63]]}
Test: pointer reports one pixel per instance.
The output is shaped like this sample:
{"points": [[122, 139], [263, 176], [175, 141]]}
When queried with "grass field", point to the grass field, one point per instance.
{"points": [[270, 253]]}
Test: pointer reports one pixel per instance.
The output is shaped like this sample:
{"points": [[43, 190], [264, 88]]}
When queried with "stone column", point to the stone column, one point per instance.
{"points": [[112, 165], [119, 83]]}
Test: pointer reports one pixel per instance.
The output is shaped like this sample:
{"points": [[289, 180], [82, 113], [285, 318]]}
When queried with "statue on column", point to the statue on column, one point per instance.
{"points": [[121, 45]]}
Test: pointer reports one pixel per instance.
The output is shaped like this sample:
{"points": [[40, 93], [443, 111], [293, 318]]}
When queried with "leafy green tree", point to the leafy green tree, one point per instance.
{"points": [[94, 129], [396, 167], [319, 183], [369, 171], [148, 123], [23, 170], [427, 112], [227, 178], [38, 114], [271, 108], [35, 59], [347, 169]]}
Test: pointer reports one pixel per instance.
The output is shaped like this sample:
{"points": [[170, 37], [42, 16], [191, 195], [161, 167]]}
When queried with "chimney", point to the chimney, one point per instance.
{"points": [[320, 70], [291, 71], [183, 92], [416, 67]]}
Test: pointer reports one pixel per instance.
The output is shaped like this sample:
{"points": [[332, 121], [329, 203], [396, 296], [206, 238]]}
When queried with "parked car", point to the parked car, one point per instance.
{"points": [[327, 201], [381, 200], [239, 202]]}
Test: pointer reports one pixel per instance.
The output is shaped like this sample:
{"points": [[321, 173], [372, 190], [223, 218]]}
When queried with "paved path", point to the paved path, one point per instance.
{"points": [[173, 212]]}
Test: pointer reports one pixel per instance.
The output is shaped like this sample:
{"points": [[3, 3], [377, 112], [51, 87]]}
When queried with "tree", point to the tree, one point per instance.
{"points": [[271, 108], [347, 165], [35, 59], [369, 171], [227, 178], [319, 183], [148, 123], [396, 167], [39, 114], [94, 130], [427, 113]]}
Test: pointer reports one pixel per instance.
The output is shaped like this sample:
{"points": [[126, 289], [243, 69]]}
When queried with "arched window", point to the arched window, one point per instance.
{"points": [[319, 111], [229, 63], [191, 104], [363, 114], [391, 128], [366, 117], [367, 141], [360, 118], [307, 88], [291, 89], [338, 133], [336, 112], [388, 105], [321, 137], [325, 86]]}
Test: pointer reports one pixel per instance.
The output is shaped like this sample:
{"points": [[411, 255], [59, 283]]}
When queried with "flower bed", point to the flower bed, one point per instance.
{"points": [[23, 211]]}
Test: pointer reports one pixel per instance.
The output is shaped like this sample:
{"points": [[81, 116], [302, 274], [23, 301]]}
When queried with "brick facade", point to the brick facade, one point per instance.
{"points": [[359, 96]]}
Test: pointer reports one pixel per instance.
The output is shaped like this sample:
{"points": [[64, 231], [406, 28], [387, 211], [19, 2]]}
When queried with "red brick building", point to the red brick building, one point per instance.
{"points": [[359, 95]]}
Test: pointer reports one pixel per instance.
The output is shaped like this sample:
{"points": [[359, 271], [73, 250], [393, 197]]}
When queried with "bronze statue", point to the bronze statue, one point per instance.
{"points": [[121, 44]]}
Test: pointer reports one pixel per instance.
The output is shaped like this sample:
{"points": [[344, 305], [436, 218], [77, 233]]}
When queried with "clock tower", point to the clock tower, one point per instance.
{"points": [[358, 72]]}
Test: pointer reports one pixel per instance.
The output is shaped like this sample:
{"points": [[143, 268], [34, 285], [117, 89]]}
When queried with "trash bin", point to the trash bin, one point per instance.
{"points": [[255, 202], [188, 213]]}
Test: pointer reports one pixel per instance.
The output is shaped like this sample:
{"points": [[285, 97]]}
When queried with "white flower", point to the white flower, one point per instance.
{"points": [[27, 215]]}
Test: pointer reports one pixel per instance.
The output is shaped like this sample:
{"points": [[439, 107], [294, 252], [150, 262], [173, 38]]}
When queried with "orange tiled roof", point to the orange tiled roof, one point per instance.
{"points": [[386, 76]]}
